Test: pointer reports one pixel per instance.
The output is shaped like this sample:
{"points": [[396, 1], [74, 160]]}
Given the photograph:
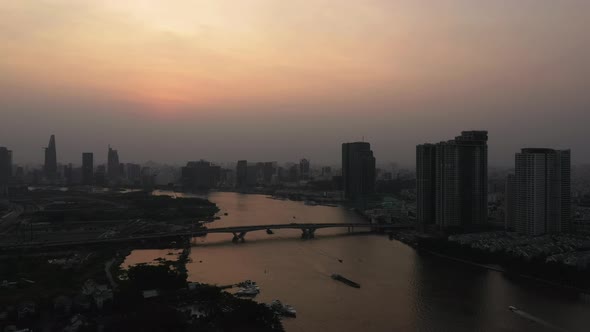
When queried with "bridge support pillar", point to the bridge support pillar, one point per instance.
{"points": [[304, 233], [239, 237], [307, 233]]}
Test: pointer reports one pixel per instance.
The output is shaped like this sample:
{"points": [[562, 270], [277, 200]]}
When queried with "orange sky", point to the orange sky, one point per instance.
{"points": [[205, 57]]}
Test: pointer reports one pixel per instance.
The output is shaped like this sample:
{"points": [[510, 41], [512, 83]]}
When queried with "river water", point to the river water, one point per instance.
{"points": [[401, 289]]}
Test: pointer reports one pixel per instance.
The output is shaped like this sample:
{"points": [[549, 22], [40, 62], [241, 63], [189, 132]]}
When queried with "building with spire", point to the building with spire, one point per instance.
{"points": [[50, 166], [113, 165]]}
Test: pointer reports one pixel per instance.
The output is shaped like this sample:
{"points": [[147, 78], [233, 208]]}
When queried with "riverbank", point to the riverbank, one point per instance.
{"points": [[441, 247]]}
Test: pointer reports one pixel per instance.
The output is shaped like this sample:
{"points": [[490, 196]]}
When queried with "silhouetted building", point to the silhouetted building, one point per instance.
{"points": [[254, 174], [200, 175], [50, 166], [358, 171], [543, 191], [87, 168], [134, 173], [113, 167], [5, 169], [304, 169], [68, 174], [242, 174], [148, 178], [122, 172], [269, 171], [453, 175], [426, 184], [100, 177], [510, 202], [293, 174]]}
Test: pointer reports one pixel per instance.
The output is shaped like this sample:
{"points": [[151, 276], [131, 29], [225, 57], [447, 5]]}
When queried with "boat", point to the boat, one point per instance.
{"points": [[281, 309], [513, 308], [247, 292], [247, 288], [248, 284], [345, 280]]}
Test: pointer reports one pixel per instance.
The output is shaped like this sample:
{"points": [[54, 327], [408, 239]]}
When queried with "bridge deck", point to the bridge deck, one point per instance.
{"points": [[236, 229]]}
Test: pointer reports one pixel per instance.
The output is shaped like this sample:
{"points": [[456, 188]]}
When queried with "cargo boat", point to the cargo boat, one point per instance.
{"points": [[345, 280]]}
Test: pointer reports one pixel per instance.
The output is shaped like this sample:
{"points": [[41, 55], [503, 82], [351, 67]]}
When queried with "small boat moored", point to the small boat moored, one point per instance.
{"points": [[281, 309]]}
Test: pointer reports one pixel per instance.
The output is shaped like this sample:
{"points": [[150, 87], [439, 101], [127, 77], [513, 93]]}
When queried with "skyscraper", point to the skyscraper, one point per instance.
{"points": [[113, 166], [543, 191], [200, 175], [452, 179], [426, 184], [358, 171], [5, 168], [87, 168], [50, 166]]}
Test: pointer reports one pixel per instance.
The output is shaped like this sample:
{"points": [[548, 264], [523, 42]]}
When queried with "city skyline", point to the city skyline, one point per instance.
{"points": [[285, 166], [102, 158], [399, 73]]}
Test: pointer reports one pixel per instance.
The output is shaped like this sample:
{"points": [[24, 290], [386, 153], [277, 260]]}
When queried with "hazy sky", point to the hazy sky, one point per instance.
{"points": [[173, 80]]}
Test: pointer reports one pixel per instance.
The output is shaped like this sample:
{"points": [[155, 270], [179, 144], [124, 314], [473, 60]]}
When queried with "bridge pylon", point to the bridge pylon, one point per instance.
{"points": [[308, 233], [239, 237]]}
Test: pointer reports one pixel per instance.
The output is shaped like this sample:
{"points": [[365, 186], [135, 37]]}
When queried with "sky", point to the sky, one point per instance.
{"points": [[222, 80]]}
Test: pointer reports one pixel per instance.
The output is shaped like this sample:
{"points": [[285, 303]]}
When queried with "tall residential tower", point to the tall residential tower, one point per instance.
{"points": [[543, 191], [452, 179]]}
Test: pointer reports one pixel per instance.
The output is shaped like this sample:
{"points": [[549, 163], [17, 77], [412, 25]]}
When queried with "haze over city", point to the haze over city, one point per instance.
{"points": [[278, 80]]}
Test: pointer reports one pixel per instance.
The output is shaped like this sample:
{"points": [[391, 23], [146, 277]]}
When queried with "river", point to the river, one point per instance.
{"points": [[402, 290]]}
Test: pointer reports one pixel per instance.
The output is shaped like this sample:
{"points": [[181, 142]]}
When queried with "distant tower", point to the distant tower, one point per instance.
{"points": [[50, 167], [543, 191], [87, 168], [426, 184], [358, 171], [304, 169], [452, 179], [5, 169], [113, 166], [242, 174]]}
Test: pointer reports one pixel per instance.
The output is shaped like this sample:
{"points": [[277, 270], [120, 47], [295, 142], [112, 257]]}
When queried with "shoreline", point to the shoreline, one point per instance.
{"points": [[580, 291]]}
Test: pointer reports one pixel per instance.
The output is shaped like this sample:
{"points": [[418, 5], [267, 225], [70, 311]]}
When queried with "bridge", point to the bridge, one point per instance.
{"points": [[307, 229], [239, 233]]}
